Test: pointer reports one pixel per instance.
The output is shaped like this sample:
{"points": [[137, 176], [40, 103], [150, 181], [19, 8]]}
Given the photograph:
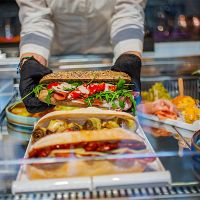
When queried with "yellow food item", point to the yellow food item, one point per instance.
{"points": [[92, 124], [191, 114], [145, 95], [110, 124], [66, 108], [157, 91], [57, 125], [187, 106], [182, 102], [21, 111]]}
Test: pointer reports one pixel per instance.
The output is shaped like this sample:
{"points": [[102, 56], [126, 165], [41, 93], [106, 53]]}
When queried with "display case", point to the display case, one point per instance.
{"points": [[152, 158], [174, 171]]}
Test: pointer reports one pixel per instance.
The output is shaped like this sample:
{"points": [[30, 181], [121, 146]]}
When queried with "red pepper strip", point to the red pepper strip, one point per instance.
{"points": [[74, 94], [63, 155], [60, 96], [92, 88], [112, 88], [52, 84], [101, 87]]}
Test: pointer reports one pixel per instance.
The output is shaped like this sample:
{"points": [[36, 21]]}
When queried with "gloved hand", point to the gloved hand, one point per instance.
{"points": [[130, 64], [31, 71]]}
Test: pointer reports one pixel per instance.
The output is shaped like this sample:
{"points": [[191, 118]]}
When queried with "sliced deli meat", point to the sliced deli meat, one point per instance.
{"points": [[166, 115]]}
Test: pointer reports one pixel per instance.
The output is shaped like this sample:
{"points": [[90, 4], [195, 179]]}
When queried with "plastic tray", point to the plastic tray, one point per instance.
{"points": [[156, 175], [178, 123]]}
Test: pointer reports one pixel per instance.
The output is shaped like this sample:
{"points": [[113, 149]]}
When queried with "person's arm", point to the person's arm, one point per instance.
{"points": [[127, 27], [36, 29], [36, 37], [127, 33]]}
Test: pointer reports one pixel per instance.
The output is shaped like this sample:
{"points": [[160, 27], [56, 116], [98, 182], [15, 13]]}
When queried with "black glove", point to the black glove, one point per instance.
{"points": [[30, 74], [130, 64]]}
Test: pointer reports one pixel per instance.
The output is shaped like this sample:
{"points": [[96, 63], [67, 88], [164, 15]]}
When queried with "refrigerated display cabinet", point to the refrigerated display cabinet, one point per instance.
{"points": [[171, 145]]}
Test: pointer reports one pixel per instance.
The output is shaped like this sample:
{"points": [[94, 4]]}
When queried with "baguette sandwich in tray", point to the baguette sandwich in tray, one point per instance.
{"points": [[85, 149]]}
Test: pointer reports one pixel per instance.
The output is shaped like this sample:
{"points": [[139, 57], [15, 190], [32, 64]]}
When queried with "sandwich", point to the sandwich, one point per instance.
{"points": [[105, 89], [90, 118], [88, 154]]}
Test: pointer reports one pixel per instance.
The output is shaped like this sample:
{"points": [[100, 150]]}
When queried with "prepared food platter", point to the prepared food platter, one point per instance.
{"points": [[195, 126], [181, 111], [90, 147]]}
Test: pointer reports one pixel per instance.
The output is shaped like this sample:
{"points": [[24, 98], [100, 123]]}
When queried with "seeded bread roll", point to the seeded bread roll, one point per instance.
{"points": [[98, 76]]}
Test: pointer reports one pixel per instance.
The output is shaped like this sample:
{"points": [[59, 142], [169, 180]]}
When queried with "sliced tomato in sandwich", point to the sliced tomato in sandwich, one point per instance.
{"points": [[51, 85], [74, 94], [92, 88]]}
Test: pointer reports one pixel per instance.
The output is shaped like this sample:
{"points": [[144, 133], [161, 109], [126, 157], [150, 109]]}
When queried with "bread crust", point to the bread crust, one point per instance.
{"points": [[98, 76]]}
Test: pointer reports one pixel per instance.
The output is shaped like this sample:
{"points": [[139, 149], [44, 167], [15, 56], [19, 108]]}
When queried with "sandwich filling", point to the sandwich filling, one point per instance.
{"points": [[60, 126], [90, 148], [109, 95]]}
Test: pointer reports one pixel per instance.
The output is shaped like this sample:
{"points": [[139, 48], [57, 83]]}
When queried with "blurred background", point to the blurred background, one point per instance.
{"points": [[171, 47], [166, 21]]}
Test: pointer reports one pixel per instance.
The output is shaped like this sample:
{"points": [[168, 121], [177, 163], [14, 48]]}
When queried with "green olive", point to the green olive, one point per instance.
{"points": [[92, 124]]}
